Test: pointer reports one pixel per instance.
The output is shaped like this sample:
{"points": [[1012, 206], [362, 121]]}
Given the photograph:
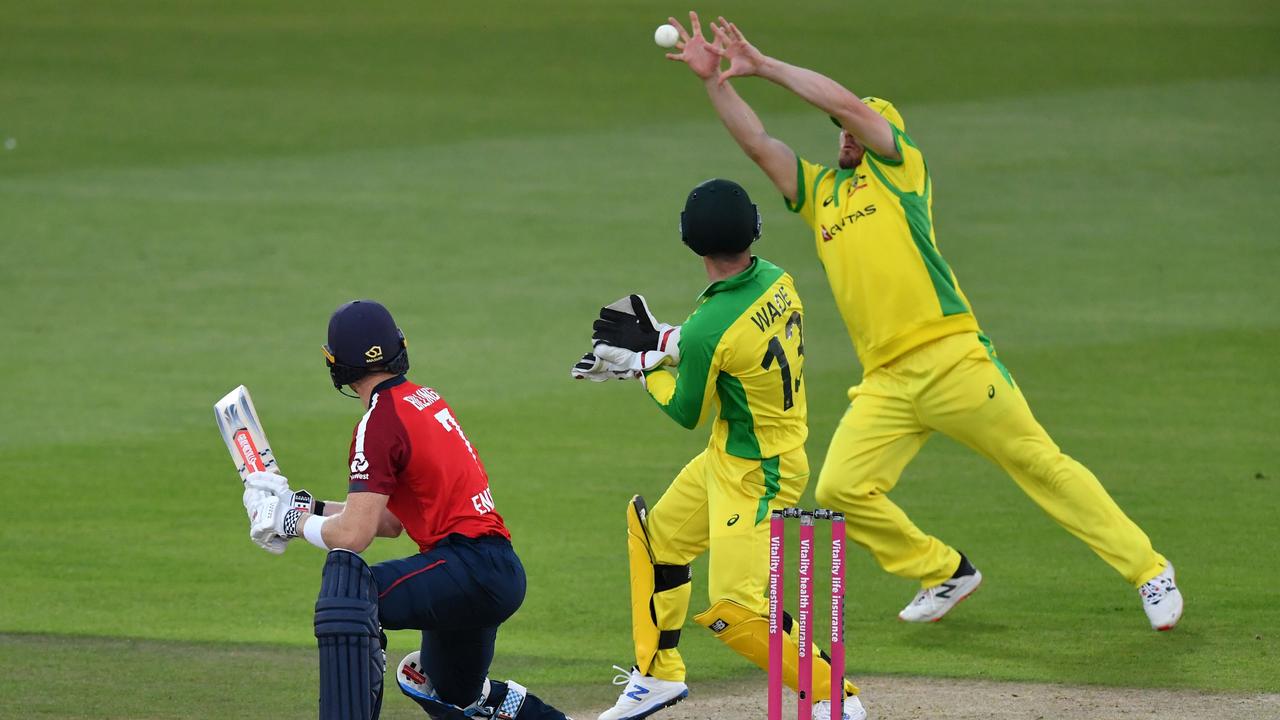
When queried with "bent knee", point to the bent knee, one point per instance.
{"points": [[826, 495], [838, 493]]}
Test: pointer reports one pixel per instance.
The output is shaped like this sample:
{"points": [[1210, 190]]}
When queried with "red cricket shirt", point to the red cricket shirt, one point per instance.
{"points": [[410, 447]]}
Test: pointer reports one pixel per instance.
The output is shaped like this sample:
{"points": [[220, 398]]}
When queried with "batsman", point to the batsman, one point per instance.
{"points": [[412, 469], [739, 359]]}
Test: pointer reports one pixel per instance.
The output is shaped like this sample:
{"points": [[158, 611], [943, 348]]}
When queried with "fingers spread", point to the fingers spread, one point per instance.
{"points": [[679, 28], [694, 23]]}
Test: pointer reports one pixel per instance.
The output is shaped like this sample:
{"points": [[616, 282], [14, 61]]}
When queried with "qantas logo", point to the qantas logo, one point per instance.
{"points": [[829, 233]]}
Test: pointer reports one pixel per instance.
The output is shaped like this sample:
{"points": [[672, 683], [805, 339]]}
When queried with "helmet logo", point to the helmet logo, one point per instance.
{"points": [[374, 353]]}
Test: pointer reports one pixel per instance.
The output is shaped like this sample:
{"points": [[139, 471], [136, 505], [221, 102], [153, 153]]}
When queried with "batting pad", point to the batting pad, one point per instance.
{"points": [[659, 599], [349, 638]]}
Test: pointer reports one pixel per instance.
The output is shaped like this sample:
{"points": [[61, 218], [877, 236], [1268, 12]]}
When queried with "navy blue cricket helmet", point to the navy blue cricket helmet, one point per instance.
{"points": [[363, 338]]}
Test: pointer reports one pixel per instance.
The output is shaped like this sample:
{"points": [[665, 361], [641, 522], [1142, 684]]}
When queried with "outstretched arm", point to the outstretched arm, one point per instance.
{"points": [[829, 96], [772, 155]]}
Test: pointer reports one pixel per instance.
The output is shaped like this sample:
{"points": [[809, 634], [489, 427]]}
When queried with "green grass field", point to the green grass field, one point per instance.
{"points": [[190, 189]]}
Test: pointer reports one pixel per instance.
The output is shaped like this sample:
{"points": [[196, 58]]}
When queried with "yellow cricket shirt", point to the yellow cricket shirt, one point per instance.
{"points": [[743, 345], [873, 227]]}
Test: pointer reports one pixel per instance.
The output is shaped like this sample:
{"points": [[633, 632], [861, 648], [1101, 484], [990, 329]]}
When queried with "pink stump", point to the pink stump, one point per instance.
{"points": [[837, 615], [804, 679], [776, 558]]}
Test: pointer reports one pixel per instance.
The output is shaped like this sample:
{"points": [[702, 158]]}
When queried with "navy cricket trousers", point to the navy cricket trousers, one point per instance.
{"points": [[457, 594]]}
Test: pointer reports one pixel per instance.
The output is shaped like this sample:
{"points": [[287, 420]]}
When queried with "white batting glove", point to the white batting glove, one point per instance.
{"points": [[594, 369], [271, 515], [274, 483], [278, 485], [636, 362], [271, 542]]}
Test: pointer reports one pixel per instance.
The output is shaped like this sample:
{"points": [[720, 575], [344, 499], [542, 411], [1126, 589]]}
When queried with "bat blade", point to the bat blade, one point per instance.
{"points": [[243, 434]]}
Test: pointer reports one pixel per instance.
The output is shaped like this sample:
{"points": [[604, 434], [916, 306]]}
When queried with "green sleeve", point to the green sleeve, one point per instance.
{"points": [[686, 397]]}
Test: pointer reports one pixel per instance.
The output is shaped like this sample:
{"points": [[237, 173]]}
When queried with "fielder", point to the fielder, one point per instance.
{"points": [[743, 350], [926, 364], [412, 469]]}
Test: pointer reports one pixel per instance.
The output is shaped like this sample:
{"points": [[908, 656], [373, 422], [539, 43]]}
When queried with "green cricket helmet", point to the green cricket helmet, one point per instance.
{"points": [[719, 219]]}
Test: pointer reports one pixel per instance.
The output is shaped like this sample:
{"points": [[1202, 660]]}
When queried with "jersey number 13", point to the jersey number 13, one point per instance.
{"points": [[775, 353]]}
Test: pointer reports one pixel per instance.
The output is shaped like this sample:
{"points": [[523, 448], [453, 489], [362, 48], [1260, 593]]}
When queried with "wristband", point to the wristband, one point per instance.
{"points": [[311, 531], [289, 523], [319, 510]]}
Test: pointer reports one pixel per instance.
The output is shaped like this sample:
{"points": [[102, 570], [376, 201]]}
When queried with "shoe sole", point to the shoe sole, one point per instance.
{"points": [[963, 597], [656, 708]]}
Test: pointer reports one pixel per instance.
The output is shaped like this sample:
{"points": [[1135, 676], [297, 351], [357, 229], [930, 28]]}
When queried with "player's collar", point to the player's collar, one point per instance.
{"points": [[387, 385], [844, 174], [730, 283]]}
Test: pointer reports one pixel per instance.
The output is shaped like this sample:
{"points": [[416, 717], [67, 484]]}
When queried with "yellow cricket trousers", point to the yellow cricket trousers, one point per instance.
{"points": [[721, 503], [957, 386]]}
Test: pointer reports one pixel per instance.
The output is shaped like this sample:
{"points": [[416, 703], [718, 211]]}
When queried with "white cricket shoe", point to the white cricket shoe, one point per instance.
{"points": [[1162, 600], [931, 603], [643, 695], [853, 709]]}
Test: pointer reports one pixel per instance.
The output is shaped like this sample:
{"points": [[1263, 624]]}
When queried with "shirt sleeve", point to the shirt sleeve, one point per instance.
{"points": [[907, 175], [808, 175], [379, 448], [687, 396]]}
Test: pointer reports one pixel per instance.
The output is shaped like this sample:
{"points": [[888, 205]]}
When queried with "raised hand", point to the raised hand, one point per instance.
{"points": [[702, 57], [744, 59]]}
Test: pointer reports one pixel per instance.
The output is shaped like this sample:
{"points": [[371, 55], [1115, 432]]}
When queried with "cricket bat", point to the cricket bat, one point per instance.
{"points": [[242, 432]]}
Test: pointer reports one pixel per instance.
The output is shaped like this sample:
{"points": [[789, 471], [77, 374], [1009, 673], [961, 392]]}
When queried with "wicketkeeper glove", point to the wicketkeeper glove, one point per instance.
{"points": [[636, 362], [628, 324], [594, 369]]}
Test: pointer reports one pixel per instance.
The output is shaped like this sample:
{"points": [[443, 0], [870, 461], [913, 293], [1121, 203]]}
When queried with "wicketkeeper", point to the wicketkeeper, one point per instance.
{"points": [[412, 469], [739, 358]]}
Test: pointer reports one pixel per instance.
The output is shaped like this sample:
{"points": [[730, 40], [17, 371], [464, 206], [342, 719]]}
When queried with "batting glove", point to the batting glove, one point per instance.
{"points": [[628, 324], [271, 542], [278, 485]]}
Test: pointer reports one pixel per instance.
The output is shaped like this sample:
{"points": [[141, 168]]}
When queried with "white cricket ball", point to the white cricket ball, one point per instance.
{"points": [[666, 36]]}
